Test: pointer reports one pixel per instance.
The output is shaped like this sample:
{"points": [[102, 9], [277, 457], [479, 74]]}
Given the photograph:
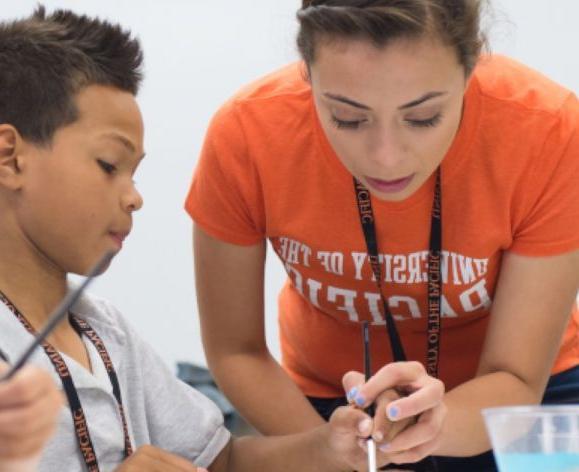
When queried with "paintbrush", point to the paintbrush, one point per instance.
{"points": [[370, 444], [58, 315]]}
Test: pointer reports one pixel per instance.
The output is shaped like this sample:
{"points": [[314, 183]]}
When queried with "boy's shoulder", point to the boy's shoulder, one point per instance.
{"points": [[103, 316]]}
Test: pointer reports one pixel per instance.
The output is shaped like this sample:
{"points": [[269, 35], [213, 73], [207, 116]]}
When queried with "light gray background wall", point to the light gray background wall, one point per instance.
{"points": [[197, 53]]}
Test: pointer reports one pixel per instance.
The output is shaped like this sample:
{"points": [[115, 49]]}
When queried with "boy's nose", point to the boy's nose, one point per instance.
{"points": [[132, 200]]}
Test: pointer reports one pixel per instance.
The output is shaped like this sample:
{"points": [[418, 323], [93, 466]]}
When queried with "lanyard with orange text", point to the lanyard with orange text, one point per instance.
{"points": [[79, 420], [434, 274]]}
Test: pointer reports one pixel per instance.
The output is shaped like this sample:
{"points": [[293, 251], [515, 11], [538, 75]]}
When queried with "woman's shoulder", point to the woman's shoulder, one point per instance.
{"points": [[517, 85], [287, 81]]}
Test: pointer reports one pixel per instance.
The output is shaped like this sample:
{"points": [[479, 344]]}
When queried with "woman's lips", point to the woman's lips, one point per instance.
{"points": [[389, 186]]}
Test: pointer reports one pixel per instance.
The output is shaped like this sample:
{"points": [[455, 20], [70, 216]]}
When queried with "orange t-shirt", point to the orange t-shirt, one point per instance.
{"points": [[510, 182]]}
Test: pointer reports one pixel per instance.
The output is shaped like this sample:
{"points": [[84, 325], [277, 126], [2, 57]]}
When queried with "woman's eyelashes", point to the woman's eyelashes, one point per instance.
{"points": [[355, 124], [430, 122], [347, 124], [107, 167]]}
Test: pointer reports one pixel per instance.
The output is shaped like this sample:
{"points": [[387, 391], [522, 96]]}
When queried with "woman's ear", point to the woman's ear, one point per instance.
{"points": [[11, 145]]}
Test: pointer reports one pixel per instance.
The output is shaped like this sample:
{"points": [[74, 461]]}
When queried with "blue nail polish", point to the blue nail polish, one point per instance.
{"points": [[393, 412], [384, 447], [360, 400], [352, 393]]}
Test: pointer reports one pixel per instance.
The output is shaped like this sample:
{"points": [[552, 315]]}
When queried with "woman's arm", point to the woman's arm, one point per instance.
{"points": [[230, 284], [530, 312], [529, 315]]}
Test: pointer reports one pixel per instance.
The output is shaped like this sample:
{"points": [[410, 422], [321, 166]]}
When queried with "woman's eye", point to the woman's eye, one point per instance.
{"points": [[108, 168], [429, 123], [347, 124]]}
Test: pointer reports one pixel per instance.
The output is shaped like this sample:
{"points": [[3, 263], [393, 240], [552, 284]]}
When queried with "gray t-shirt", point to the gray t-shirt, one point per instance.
{"points": [[160, 409]]}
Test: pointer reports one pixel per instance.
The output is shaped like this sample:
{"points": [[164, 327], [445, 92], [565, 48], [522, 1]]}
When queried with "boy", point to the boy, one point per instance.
{"points": [[71, 138]]}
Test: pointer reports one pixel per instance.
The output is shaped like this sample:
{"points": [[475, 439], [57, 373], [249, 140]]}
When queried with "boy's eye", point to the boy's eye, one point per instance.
{"points": [[347, 124], [108, 168], [426, 123]]}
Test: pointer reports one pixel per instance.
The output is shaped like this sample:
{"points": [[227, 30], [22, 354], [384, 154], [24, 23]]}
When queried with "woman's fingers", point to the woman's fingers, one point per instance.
{"points": [[428, 394], [352, 382], [414, 438], [420, 391]]}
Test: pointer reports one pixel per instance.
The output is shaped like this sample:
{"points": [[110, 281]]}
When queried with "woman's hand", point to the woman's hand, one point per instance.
{"points": [[409, 409], [29, 405], [154, 459]]}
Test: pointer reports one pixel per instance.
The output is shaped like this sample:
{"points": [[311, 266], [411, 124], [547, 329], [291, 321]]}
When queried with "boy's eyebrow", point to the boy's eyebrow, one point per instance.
{"points": [[123, 140], [413, 103]]}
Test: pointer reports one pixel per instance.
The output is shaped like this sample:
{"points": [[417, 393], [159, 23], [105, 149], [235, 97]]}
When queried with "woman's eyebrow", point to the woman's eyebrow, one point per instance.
{"points": [[413, 103]]}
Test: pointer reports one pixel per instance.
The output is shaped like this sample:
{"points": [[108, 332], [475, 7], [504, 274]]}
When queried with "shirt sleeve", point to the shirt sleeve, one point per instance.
{"points": [[180, 419], [225, 194], [551, 222]]}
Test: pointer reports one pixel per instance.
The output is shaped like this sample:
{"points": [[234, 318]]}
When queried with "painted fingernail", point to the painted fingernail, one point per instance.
{"points": [[393, 412], [384, 447], [352, 394], [364, 426], [378, 436], [360, 400]]}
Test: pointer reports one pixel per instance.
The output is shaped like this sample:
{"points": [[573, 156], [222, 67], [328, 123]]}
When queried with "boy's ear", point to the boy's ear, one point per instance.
{"points": [[11, 144]]}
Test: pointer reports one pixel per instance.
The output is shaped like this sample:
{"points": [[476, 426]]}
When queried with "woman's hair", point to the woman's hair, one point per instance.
{"points": [[45, 60], [455, 22]]}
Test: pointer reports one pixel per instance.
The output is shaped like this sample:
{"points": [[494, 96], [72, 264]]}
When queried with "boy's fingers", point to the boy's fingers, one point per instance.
{"points": [[348, 420], [170, 462], [29, 384]]}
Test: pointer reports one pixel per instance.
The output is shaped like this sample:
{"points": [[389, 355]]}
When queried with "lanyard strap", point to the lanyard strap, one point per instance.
{"points": [[78, 417], [82, 327], [368, 224]]}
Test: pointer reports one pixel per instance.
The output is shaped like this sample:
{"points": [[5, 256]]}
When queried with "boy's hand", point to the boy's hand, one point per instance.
{"points": [[349, 428], [154, 459], [29, 405], [409, 413]]}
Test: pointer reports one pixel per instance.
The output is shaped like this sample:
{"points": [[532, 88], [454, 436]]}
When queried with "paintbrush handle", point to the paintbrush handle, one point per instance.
{"points": [[58, 314]]}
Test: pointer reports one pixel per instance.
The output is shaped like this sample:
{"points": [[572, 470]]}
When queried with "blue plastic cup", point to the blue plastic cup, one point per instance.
{"points": [[534, 438]]}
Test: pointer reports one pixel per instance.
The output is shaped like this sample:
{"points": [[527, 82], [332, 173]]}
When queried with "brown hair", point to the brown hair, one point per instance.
{"points": [[456, 22], [45, 60]]}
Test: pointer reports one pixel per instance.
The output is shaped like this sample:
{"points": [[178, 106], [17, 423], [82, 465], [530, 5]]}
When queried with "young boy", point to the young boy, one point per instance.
{"points": [[71, 138]]}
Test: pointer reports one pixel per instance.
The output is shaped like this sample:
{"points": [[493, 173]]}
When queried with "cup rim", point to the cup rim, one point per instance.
{"points": [[533, 409]]}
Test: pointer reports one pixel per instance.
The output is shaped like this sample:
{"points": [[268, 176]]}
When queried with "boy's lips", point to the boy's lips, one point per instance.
{"points": [[119, 237], [389, 186]]}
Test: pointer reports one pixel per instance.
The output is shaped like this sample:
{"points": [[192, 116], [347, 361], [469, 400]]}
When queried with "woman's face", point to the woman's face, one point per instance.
{"points": [[389, 113]]}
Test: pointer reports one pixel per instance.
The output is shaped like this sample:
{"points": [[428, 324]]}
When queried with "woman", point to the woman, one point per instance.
{"points": [[394, 142]]}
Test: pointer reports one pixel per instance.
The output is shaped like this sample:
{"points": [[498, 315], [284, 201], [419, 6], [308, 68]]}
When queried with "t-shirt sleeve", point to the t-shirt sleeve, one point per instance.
{"points": [[550, 224], [225, 197], [179, 418]]}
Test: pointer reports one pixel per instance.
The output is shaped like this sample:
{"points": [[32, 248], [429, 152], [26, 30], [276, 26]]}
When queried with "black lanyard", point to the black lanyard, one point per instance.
{"points": [[79, 420], [434, 274]]}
